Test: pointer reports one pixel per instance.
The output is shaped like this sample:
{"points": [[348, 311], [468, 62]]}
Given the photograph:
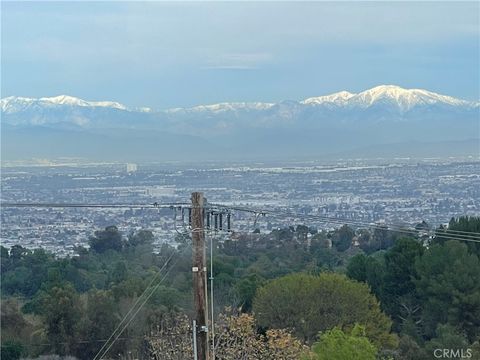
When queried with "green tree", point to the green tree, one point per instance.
{"points": [[98, 322], [447, 337], [367, 269], [463, 223], [11, 350], [140, 238], [342, 238], [108, 239], [61, 309], [309, 304], [245, 290], [409, 349], [449, 288], [398, 294], [338, 345]]}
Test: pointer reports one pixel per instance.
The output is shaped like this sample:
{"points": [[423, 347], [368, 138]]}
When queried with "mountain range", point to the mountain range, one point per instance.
{"points": [[386, 119]]}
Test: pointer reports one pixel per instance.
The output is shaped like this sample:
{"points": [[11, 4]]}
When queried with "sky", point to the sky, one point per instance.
{"points": [[179, 54]]}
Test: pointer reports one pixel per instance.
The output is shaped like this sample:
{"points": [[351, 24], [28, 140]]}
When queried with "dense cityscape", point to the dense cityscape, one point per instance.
{"points": [[404, 193]]}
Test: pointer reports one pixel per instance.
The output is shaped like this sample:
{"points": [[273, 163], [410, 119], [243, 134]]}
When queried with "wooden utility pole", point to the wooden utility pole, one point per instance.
{"points": [[199, 270]]}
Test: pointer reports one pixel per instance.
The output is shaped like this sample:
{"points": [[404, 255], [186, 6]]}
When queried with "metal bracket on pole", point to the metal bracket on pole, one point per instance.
{"points": [[194, 332]]}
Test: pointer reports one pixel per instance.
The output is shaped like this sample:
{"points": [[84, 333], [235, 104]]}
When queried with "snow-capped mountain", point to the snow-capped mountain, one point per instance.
{"points": [[403, 99], [383, 114], [14, 104], [339, 98]]}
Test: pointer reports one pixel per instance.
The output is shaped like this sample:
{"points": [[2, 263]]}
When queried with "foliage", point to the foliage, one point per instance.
{"points": [[11, 350], [309, 304], [447, 337], [236, 338], [449, 288], [108, 239], [338, 345], [431, 293], [61, 311], [398, 290], [342, 238], [463, 223], [171, 338]]}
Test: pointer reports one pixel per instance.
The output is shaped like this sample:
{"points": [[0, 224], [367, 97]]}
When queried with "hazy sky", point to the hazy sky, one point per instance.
{"points": [[169, 54]]}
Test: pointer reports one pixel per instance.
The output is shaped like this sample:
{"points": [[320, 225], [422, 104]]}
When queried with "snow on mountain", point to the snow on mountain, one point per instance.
{"points": [[384, 95], [404, 99], [339, 98], [385, 114], [224, 107], [13, 104]]}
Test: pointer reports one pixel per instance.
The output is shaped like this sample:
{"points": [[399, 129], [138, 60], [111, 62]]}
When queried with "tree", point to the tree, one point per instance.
{"points": [[108, 239], [447, 337], [398, 294], [357, 268], [448, 284], [308, 304], [61, 310], [245, 290], [338, 345], [367, 269], [463, 223], [11, 350], [409, 349], [140, 238], [235, 338], [98, 322], [342, 238]]}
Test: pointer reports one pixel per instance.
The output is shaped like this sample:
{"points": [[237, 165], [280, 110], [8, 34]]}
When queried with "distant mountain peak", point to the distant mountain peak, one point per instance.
{"points": [[14, 104], [405, 99], [337, 98], [392, 96]]}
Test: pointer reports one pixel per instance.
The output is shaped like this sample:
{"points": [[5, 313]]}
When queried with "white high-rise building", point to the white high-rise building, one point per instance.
{"points": [[131, 168]]}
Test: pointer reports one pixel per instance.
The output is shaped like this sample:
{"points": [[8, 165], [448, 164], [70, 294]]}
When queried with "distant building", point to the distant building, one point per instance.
{"points": [[131, 168]]}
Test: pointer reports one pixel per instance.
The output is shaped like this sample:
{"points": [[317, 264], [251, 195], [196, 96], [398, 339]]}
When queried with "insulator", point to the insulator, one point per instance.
{"points": [[215, 217], [220, 225], [229, 227]]}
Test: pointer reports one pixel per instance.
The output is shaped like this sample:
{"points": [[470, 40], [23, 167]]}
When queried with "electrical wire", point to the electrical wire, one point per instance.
{"points": [[137, 301], [104, 340], [472, 236], [102, 206], [412, 232], [139, 308]]}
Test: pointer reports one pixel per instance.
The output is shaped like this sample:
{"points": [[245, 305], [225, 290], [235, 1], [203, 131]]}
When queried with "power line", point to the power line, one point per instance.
{"points": [[138, 299], [385, 227], [101, 353], [104, 340], [472, 236], [453, 234], [154, 205]]}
